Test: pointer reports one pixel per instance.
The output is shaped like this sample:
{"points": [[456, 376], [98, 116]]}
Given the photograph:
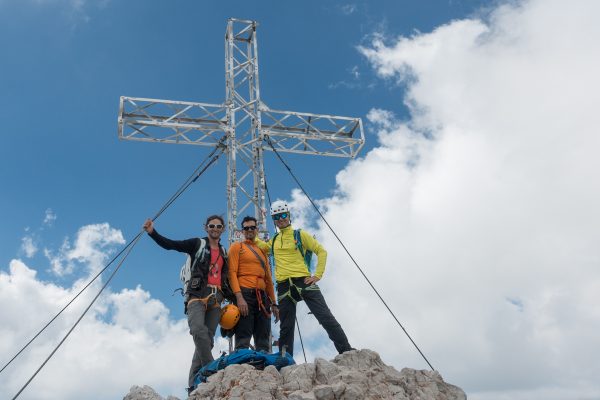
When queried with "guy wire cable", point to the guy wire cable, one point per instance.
{"points": [[195, 175], [192, 177], [297, 324], [347, 251], [134, 241]]}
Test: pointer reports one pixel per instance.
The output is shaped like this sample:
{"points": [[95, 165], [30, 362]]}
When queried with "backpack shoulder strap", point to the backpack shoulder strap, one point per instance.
{"points": [[186, 270], [223, 251], [262, 262], [200, 248], [306, 254], [273, 243], [298, 241]]}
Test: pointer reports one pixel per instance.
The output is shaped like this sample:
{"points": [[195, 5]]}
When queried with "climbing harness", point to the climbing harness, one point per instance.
{"points": [[294, 292], [211, 301]]}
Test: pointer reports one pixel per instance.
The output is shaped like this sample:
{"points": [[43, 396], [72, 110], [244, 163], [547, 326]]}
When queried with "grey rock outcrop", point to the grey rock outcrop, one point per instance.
{"points": [[145, 393], [354, 375]]}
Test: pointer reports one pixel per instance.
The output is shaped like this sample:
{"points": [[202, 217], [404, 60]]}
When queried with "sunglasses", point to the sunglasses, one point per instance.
{"points": [[277, 217], [213, 226], [249, 228]]}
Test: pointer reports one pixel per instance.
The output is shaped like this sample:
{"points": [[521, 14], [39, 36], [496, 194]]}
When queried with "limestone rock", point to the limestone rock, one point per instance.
{"points": [[145, 393], [354, 375]]}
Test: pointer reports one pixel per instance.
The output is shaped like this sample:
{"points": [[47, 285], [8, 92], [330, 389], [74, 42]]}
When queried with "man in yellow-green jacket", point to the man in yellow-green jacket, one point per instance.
{"points": [[295, 282]]}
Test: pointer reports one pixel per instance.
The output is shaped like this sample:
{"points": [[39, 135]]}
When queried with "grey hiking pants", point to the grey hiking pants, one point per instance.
{"points": [[203, 324]]}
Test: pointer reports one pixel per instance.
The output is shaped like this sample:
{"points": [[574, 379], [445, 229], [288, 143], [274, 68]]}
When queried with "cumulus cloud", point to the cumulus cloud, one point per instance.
{"points": [[475, 217], [127, 338], [88, 249]]}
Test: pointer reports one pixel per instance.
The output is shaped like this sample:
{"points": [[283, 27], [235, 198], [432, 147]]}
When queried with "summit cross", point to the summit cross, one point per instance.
{"points": [[244, 123]]}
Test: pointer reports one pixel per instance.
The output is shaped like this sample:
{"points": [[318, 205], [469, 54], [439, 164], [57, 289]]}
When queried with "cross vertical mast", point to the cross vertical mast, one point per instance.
{"points": [[245, 188]]}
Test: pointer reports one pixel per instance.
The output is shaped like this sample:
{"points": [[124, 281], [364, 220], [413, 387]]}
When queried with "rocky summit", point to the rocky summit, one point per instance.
{"points": [[354, 375]]}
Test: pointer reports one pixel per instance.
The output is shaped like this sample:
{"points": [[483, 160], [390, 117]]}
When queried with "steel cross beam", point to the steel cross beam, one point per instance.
{"points": [[245, 121]]}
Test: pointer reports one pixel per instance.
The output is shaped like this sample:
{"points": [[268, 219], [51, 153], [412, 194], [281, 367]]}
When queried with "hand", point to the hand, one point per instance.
{"points": [[242, 305], [148, 226], [309, 280], [275, 311]]}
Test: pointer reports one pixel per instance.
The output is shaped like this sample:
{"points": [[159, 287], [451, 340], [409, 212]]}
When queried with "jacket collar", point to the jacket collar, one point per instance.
{"points": [[287, 228]]}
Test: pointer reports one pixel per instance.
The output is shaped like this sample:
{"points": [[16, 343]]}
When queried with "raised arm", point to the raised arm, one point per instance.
{"points": [[184, 246]]}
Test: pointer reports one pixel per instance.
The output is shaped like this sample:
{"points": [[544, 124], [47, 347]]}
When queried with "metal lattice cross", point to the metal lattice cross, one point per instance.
{"points": [[245, 121]]}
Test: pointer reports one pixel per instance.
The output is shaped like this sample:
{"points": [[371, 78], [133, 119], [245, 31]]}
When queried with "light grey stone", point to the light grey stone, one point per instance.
{"points": [[301, 395], [354, 392], [324, 392], [299, 377], [325, 371], [144, 393], [350, 376], [354, 375]]}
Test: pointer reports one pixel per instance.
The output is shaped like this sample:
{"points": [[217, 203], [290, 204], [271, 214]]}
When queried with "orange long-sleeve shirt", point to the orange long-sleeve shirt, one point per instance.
{"points": [[245, 270]]}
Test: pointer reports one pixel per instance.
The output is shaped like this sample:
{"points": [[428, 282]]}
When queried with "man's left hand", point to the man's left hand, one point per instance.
{"points": [[309, 280]]}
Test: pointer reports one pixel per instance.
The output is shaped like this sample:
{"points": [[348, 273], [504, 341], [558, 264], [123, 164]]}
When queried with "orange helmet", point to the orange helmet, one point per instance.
{"points": [[230, 315]]}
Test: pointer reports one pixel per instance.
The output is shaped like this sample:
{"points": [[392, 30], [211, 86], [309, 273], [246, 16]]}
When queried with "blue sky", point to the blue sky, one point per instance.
{"points": [[472, 207], [65, 67]]}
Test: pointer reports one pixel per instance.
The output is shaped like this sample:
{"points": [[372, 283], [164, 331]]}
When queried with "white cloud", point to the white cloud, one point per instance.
{"points": [[477, 217], [353, 83], [127, 337], [89, 249], [348, 9], [50, 217], [28, 246]]}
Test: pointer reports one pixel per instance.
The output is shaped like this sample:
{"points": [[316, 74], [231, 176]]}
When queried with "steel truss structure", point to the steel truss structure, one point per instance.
{"points": [[245, 121]]}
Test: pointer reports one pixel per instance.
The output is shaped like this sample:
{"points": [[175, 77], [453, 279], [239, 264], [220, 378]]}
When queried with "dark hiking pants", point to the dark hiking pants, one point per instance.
{"points": [[256, 323], [298, 291]]}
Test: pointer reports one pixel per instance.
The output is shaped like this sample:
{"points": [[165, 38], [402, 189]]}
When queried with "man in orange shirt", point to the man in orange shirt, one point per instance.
{"points": [[251, 282]]}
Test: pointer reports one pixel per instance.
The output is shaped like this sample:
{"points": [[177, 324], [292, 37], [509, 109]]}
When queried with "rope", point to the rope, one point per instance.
{"points": [[297, 324], [211, 158], [301, 342], [347, 252]]}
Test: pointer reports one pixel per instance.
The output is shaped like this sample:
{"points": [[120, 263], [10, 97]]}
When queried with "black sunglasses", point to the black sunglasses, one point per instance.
{"points": [[249, 228], [277, 217], [213, 226]]}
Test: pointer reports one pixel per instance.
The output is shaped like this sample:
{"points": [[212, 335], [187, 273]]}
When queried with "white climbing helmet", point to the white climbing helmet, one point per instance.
{"points": [[279, 207]]}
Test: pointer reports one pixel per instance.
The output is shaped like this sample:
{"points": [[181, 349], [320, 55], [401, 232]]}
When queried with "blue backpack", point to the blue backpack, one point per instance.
{"points": [[258, 359]]}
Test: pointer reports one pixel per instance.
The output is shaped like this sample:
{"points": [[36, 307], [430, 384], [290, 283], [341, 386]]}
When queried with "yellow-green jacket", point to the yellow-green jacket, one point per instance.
{"points": [[289, 263]]}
